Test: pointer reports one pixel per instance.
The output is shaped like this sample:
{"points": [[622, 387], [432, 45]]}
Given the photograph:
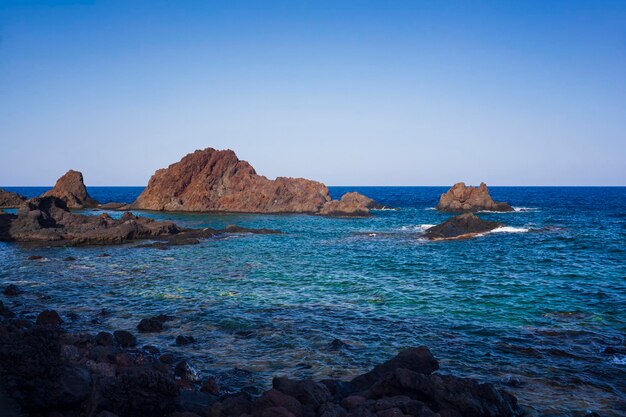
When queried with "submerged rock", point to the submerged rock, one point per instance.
{"points": [[71, 189], [213, 180], [9, 199], [463, 199], [459, 227]]}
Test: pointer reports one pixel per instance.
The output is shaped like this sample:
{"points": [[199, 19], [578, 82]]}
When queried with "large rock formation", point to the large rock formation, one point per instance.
{"points": [[71, 189], [463, 199], [462, 226], [212, 180], [47, 219], [10, 200]]}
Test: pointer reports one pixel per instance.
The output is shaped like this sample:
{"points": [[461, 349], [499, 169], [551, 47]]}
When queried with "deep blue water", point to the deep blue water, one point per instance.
{"points": [[532, 308]]}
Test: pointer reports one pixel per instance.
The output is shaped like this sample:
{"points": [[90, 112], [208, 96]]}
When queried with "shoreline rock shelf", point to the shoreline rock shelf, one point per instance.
{"points": [[211, 180], [47, 219], [48, 371], [10, 199]]}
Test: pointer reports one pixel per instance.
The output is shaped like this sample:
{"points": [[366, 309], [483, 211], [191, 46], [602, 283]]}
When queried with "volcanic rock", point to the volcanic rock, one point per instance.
{"points": [[212, 180], [47, 219], [351, 204], [462, 226], [9, 199], [463, 199], [71, 189]]}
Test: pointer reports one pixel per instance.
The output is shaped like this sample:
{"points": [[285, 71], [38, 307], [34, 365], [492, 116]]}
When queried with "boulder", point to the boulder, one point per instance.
{"points": [[71, 189], [418, 359], [9, 199], [216, 180], [463, 199], [49, 318], [124, 338], [460, 227], [351, 204], [11, 290]]}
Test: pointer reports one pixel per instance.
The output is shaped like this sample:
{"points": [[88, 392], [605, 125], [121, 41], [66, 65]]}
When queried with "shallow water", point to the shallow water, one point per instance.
{"points": [[531, 308]]}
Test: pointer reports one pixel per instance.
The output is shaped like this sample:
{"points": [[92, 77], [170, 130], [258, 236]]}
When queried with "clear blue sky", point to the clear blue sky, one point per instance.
{"points": [[349, 93]]}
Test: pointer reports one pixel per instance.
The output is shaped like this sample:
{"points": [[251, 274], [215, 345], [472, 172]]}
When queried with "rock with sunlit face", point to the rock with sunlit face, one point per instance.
{"points": [[71, 189], [463, 199], [216, 180]]}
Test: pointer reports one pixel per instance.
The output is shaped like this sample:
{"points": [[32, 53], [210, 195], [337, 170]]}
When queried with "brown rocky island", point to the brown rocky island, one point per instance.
{"points": [[212, 180], [463, 199]]}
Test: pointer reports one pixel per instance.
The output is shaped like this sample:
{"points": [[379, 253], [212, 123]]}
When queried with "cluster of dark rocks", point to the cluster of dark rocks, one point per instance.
{"points": [[46, 371], [49, 220]]}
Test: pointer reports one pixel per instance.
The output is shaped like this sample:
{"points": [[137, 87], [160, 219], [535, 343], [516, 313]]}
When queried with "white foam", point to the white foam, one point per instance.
{"points": [[384, 209], [523, 209], [509, 229], [417, 227]]}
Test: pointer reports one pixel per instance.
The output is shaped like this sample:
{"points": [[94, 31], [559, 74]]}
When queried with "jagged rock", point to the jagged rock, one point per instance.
{"points": [[9, 199], [212, 180], [351, 204], [418, 359], [71, 189], [462, 226], [463, 199], [11, 290]]}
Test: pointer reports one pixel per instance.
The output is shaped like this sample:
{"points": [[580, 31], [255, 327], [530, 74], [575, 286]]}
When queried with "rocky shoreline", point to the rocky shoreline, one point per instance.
{"points": [[48, 371]]}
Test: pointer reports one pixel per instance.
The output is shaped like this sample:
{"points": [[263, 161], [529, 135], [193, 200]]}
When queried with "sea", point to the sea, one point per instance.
{"points": [[537, 307]]}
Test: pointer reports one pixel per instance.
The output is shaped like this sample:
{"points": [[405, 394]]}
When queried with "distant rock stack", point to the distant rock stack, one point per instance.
{"points": [[463, 199], [10, 200], [216, 180], [71, 189]]}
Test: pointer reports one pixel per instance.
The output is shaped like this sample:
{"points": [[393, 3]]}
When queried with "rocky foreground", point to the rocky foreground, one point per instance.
{"points": [[48, 219], [463, 199], [216, 180], [47, 371]]}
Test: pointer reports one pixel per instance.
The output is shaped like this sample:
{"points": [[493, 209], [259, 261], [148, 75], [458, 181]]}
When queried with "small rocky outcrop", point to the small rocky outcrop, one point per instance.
{"points": [[351, 204], [459, 227], [216, 180], [71, 189], [9, 199], [463, 199]]}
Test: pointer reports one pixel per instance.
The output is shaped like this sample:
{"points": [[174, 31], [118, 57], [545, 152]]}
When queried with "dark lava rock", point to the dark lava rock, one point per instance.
{"points": [[5, 311], [418, 359], [466, 396], [308, 392], [138, 392], [104, 255], [167, 358], [337, 344], [124, 338], [185, 371], [211, 386], [69, 259], [184, 340], [463, 226], [35, 258], [151, 325], [153, 350], [49, 318], [105, 339], [11, 290]]}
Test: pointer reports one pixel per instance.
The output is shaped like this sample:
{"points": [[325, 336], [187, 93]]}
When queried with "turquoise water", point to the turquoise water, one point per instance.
{"points": [[532, 308]]}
